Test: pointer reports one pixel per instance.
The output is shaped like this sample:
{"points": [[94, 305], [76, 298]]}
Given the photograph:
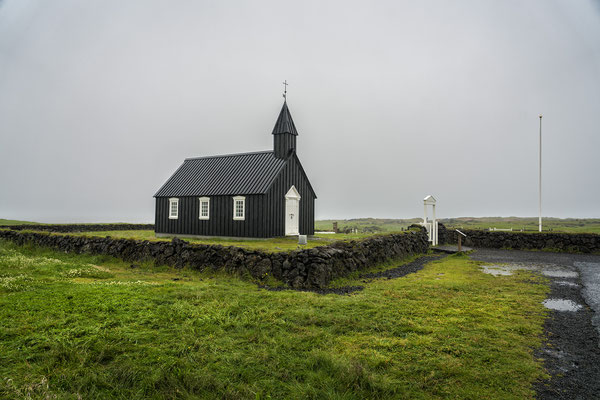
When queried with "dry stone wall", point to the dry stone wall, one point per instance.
{"points": [[80, 227], [308, 268], [565, 242]]}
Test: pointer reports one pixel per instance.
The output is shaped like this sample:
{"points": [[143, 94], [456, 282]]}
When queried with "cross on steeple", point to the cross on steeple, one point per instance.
{"points": [[285, 89]]}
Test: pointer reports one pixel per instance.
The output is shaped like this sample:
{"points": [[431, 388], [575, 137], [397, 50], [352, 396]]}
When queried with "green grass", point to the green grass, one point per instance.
{"points": [[269, 245], [374, 224], [353, 279], [572, 225], [80, 326], [15, 222], [381, 225]]}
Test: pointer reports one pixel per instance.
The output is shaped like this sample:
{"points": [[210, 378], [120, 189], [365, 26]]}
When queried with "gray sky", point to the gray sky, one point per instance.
{"points": [[100, 101]]}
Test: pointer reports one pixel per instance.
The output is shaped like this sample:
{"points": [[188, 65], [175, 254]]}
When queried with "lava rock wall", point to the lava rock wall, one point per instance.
{"points": [[80, 227], [308, 268], [565, 242]]}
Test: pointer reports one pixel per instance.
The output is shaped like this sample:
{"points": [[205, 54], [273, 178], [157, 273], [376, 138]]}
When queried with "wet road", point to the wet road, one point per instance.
{"points": [[571, 349], [590, 277], [555, 265]]}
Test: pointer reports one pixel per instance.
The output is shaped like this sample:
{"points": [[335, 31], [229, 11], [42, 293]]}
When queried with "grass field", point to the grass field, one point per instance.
{"points": [[79, 326], [382, 225], [269, 245], [375, 224], [589, 225], [14, 222], [574, 225]]}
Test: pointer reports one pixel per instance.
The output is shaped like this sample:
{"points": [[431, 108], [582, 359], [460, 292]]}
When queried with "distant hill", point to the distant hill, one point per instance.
{"points": [[15, 222], [367, 224], [591, 225]]}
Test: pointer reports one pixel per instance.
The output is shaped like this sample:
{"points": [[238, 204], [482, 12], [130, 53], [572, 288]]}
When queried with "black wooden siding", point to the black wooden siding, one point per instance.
{"points": [[265, 213], [283, 144], [221, 222], [291, 174]]}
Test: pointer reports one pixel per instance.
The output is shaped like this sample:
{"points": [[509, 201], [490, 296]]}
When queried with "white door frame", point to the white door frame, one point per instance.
{"points": [[292, 212]]}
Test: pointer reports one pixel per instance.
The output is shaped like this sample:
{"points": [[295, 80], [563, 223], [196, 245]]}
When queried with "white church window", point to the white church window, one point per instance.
{"points": [[239, 208], [204, 207], [173, 208]]}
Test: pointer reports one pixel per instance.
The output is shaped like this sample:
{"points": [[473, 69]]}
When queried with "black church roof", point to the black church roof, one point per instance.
{"points": [[285, 123], [232, 174]]}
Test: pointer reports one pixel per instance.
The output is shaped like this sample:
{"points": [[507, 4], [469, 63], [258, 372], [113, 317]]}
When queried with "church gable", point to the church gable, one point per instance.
{"points": [[293, 193]]}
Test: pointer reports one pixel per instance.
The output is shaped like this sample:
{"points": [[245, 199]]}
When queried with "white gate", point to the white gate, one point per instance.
{"points": [[430, 225], [292, 212]]}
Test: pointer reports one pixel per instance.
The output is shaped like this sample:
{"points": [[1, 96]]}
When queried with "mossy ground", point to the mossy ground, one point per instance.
{"points": [[269, 245], [79, 326]]}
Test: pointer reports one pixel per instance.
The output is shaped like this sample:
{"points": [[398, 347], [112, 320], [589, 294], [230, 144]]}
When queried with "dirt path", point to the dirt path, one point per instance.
{"points": [[391, 273], [405, 269], [571, 352]]}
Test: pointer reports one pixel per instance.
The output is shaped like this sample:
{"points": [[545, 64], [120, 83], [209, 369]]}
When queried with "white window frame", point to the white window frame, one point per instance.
{"points": [[173, 200], [243, 200], [202, 200]]}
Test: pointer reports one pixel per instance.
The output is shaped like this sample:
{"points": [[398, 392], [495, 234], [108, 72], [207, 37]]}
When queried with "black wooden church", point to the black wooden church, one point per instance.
{"points": [[262, 194]]}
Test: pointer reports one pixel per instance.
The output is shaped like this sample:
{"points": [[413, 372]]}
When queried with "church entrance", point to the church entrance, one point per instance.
{"points": [[292, 212]]}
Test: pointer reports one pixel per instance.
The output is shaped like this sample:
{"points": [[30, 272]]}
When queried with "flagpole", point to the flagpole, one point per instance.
{"points": [[540, 180]]}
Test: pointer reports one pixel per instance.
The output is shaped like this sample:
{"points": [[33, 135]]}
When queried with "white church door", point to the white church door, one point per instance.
{"points": [[292, 212]]}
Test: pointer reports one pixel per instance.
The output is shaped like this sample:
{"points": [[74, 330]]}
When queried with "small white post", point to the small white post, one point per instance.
{"points": [[434, 227]]}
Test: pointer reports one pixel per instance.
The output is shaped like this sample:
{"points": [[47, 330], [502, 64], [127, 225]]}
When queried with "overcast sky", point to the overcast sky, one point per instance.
{"points": [[100, 101]]}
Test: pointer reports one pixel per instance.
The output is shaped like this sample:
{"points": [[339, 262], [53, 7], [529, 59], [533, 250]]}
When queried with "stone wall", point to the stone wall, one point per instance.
{"points": [[80, 227], [309, 268], [566, 242]]}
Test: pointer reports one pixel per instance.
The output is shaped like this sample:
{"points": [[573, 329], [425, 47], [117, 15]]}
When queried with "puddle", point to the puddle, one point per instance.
{"points": [[566, 283], [554, 353], [559, 273], [562, 305], [497, 270], [546, 270]]}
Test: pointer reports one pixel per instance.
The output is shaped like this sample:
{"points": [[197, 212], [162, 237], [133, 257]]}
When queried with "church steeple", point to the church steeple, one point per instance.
{"points": [[284, 134], [285, 123]]}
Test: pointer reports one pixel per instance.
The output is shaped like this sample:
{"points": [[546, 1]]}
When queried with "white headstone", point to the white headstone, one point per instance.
{"points": [[302, 239]]}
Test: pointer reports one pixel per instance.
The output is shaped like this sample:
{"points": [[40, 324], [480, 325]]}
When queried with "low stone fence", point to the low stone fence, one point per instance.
{"points": [[309, 268], [566, 242], [80, 227]]}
